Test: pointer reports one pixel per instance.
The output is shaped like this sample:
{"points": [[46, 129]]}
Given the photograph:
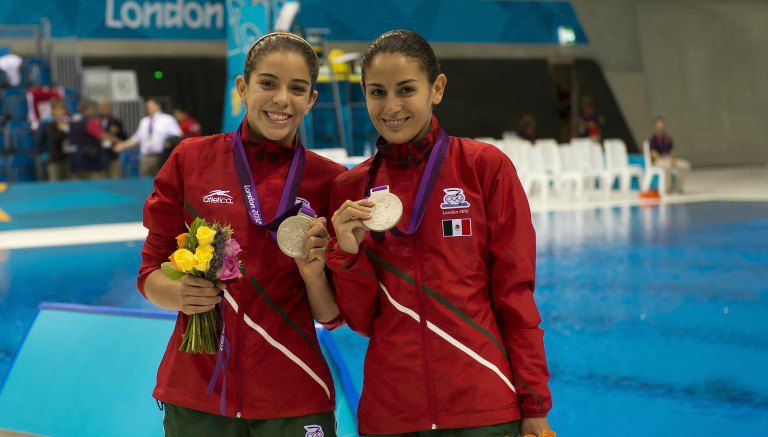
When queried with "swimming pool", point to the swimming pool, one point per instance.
{"points": [[656, 318]]}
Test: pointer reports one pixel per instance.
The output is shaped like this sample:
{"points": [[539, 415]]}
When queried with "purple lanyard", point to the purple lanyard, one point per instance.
{"points": [[287, 206], [427, 183]]}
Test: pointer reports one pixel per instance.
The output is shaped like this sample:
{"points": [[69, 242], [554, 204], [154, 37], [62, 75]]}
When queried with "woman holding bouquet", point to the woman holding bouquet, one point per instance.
{"points": [[269, 377], [446, 296]]}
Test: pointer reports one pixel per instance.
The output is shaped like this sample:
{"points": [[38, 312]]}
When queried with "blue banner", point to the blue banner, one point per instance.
{"points": [[119, 19], [456, 21], [247, 21], [483, 21]]}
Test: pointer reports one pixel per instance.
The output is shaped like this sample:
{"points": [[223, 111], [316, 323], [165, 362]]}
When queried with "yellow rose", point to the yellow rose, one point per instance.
{"points": [[203, 256], [205, 235], [183, 260]]}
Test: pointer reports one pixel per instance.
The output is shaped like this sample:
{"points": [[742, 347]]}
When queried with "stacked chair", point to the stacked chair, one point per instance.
{"points": [[575, 169]]}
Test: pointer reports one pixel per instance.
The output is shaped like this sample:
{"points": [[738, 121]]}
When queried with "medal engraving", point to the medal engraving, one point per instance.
{"points": [[291, 235], [386, 213]]}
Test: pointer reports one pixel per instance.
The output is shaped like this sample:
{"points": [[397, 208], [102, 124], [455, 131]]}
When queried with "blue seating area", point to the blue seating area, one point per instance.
{"points": [[22, 154], [37, 72]]}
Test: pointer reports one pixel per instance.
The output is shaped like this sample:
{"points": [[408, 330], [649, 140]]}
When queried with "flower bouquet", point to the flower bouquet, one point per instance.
{"points": [[543, 434], [209, 252]]}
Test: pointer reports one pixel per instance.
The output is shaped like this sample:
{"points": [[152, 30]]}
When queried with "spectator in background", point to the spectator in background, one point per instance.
{"points": [[151, 135], [189, 126], [39, 101], [663, 155], [87, 162], [110, 131], [589, 120], [10, 64], [55, 135], [527, 128]]}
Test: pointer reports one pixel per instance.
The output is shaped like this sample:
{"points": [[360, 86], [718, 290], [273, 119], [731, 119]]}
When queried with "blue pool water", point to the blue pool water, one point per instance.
{"points": [[74, 203], [656, 318]]}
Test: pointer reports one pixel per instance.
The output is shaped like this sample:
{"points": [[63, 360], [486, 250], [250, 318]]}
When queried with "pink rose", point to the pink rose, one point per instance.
{"points": [[231, 248], [229, 270]]}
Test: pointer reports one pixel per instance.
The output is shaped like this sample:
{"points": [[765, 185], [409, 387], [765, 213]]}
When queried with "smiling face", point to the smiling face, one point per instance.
{"points": [[399, 96], [277, 95]]}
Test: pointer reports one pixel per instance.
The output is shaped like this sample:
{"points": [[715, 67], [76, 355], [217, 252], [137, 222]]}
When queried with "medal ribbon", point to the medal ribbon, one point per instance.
{"points": [[307, 210], [427, 183], [222, 358], [253, 208], [287, 206]]}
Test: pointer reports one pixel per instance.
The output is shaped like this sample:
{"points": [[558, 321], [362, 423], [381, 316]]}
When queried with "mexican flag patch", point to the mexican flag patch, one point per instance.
{"points": [[457, 228]]}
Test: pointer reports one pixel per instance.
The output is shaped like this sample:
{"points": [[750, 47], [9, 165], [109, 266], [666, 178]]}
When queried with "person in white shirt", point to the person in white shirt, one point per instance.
{"points": [[153, 131], [10, 64]]}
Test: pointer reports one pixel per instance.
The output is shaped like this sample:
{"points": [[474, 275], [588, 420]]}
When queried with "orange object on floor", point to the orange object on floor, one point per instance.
{"points": [[653, 194], [4, 217]]}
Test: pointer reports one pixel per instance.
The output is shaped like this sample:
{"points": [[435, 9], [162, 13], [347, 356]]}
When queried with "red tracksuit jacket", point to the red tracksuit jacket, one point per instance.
{"points": [[454, 330], [276, 368]]}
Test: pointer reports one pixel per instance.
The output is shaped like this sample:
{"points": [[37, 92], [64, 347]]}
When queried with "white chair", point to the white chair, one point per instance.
{"points": [[551, 157], [335, 154], [554, 165], [489, 140], [617, 159], [570, 166], [509, 135], [605, 175], [585, 164], [353, 161], [536, 172], [516, 149], [652, 170]]}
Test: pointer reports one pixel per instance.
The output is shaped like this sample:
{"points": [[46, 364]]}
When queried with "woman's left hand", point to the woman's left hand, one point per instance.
{"points": [[534, 425], [312, 261]]}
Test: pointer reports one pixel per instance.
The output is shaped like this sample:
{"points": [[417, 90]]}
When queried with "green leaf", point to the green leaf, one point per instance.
{"points": [[191, 243], [171, 271]]}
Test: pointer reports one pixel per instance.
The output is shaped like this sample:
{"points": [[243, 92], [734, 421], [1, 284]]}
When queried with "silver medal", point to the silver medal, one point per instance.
{"points": [[386, 213], [292, 234]]}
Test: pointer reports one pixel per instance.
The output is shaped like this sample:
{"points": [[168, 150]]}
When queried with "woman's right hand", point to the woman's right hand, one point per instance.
{"points": [[348, 224], [197, 295]]}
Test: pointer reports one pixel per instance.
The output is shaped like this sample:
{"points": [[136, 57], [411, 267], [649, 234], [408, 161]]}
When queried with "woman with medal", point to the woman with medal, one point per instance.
{"points": [[270, 377], [446, 294]]}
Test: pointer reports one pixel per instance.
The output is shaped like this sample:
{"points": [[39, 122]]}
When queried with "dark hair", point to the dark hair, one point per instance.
{"points": [[84, 105], [409, 44], [527, 121], [279, 42]]}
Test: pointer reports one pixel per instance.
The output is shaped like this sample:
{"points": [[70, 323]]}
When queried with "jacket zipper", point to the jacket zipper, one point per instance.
{"points": [[425, 344]]}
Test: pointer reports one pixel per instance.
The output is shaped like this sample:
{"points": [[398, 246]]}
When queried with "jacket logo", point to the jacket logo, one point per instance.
{"points": [[454, 199], [218, 196], [314, 431]]}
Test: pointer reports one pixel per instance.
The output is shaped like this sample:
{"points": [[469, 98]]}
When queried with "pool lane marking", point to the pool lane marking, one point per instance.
{"points": [[72, 235]]}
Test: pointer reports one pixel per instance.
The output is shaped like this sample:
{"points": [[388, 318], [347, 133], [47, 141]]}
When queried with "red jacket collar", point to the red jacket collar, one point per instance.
{"points": [[264, 148], [412, 153]]}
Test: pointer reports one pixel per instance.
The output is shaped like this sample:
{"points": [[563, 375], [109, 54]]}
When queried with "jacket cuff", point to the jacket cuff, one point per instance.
{"points": [[142, 279], [532, 414], [535, 411], [337, 259], [336, 322]]}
